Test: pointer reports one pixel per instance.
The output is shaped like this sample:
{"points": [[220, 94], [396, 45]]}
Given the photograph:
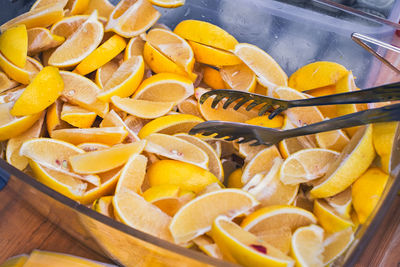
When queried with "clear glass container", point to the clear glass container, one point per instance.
{"points": [[294, 33]]}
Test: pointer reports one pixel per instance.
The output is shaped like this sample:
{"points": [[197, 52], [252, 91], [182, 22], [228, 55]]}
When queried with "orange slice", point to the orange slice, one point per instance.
{"points": [[132, 174], [268, 71], [213, 56], [316, 74], [125, 80], [134, 47], [41, 39], [162, 64], [79, 45], [110, 158], [81, 91], [172, 46], [14, 45], [205, 33], [213, 78], [43, 91], [101, 55], [190, 222], [40, 17], [142, 108], [131, 18], [239, 77], [170, 124], [106, 135], [135, 211], [104, 7], [176, 148], [77, 116]]}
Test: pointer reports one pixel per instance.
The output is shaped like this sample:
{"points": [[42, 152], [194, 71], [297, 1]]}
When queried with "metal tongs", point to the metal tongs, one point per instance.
{"points": [[244, 133]]}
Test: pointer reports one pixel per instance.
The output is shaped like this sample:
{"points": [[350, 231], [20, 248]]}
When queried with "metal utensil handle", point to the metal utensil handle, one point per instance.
{"points": [[384, 114], [382, 93]]}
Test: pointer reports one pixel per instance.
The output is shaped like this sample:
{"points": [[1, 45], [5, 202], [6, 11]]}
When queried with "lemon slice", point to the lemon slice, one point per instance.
{"points": [[38, 258], [205, 33], [41, 39], [142, 108], [239, 77], [176, 148], [185, 175], [269, 73], [88, 147], [235, 179], [335, 244], [170, 124], [328, 218], [306, 165], [264, 121], [383, 135], [43, 91], [77, 116], [69, 25], [104, 206], [21, 75], [307, 247], [213, 56], [14, 45], [104, 73], [240, 246], [135, 211], [112, 119], [189, 106], [366, 192], [130, 19], [111, 158], [104, 7], [190, 221], [168, 3], [356, 157], [6, 83], [134, 47], [212, 78], [342, 203], [75, 7]]}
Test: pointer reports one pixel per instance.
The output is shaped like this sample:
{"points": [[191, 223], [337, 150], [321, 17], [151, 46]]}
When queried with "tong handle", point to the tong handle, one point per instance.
{"points": [[383, 114], [387, 92]]}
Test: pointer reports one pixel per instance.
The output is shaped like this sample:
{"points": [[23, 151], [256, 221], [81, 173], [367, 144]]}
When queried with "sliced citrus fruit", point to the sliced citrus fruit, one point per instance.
{"points": [[366, 192], [104, 206], [207, 245], [190, 222], [172, 46], [14, 144], [88, 147], [235, 179], [111, 158], [11, 126], [306, 165], [81, 91], [213, 78], [131, 18], [104, 7], [134, 47], [43, 91], [104, 73], [335, 140], [316, 74], [222, 114], [328, 218], [176, 148], [132, 175], [38, 258], [6, 83], [53, 117], [41, 3], [161, 191], [168, 3], [125, 80], [264, 121], [335, 244], [142, 108], [135, 211], [18, 74], [165, 87], [112, 119], [248, 152], [244, 248], [14, 45], [106, 135], [307, 246], [269, 190], [75, 7], [342, 203], [261, 163], [187, 176], [383, 135], [79, 45], [214, 162], [205, 33], [239, 77], [268, 71], [213, 56], [40, 17], [189, 106], [101, 55], [41, 39], [12, 94], [68, 25], [77, 116], [159, 63], [352, 162], [170, 124]]}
